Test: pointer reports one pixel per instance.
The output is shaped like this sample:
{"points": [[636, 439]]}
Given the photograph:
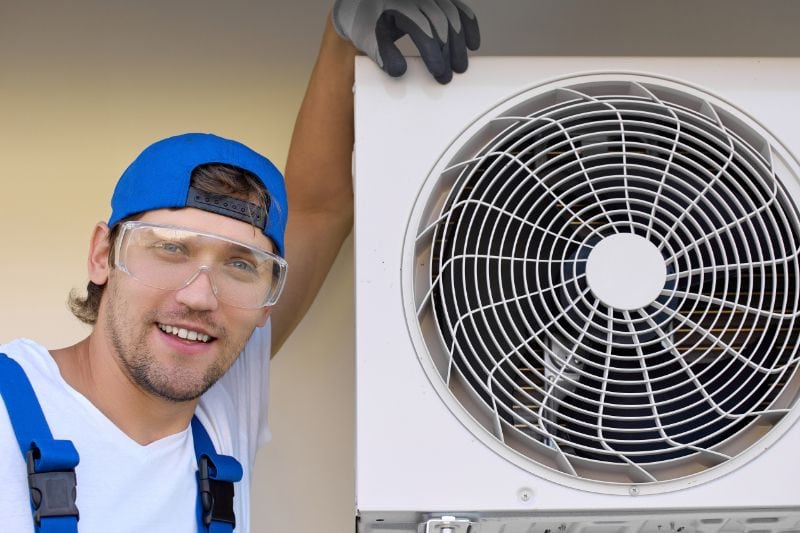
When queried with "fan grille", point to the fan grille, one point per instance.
{"points": [[558, 370]]}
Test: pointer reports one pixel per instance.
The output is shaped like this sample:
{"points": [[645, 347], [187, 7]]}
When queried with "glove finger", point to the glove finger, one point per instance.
{"points": [[469, 26], [435, 53], [447, 75], [451, 11], [436, 56], [458, 51], [386, 33], [464, 8], [432, 14]]}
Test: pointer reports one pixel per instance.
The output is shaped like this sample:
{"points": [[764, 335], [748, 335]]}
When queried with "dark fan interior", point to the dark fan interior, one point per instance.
{"points": [[685, 373]]}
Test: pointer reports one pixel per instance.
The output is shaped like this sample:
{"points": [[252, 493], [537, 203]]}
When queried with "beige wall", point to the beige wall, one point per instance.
{"points": [[85, 85], [82, 90]]}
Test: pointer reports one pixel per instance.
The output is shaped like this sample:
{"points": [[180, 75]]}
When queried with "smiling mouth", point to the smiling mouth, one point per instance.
{"points": [[186, 334]]}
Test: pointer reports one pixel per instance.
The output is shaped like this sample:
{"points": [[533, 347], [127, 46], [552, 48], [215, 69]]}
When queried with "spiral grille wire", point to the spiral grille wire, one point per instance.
{"points": [[519, 338]]}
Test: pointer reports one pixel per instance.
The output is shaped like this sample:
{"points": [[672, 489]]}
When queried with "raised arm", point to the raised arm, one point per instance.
{"points": [[319, 182], [318, 169]]}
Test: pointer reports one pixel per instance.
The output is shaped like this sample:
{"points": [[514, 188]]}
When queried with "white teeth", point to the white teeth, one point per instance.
{"points": [[184, 333]]}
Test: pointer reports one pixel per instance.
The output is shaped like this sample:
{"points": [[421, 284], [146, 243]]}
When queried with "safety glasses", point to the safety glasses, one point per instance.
{"points": [[170, 258]]}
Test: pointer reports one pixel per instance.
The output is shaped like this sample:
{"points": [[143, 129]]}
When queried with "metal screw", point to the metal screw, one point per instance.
{"points": [[525, 494], [634, 491]]}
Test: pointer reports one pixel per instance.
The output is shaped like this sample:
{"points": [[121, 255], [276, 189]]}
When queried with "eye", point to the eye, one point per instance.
{"points": [[169, 247], [169, 251], [244, 266]]}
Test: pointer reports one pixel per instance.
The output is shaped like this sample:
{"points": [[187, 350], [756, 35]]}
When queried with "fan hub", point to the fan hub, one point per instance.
{"points": [[626, 271]]}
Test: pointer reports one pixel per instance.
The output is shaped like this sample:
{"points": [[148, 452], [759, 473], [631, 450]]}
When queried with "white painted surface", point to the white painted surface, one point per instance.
{"points": [[416, 447]]}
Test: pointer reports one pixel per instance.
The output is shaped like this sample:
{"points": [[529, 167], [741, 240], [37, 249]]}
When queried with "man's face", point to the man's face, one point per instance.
{"points": [[176, 344]]}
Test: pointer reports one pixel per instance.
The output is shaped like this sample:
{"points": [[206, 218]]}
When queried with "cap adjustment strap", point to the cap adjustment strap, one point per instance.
{"points": [[227, 206]]}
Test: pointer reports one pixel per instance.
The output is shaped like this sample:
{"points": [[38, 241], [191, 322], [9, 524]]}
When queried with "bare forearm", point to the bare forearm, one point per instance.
{"points": [[323, 136], [319, 181]]}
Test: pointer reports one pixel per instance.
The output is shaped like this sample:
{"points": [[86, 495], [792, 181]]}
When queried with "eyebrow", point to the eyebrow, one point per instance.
{"points": [[191, 237], [238, 249]]}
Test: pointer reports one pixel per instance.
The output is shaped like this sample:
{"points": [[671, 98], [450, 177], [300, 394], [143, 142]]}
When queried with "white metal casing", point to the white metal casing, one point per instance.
{"points": [[413, 454]]}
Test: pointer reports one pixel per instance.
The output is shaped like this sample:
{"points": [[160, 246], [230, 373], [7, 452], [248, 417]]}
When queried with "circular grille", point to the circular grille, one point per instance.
{"points": [[605, 280]]}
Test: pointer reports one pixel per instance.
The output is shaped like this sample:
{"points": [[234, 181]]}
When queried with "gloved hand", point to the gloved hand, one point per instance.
{"points": [[442, 30]]}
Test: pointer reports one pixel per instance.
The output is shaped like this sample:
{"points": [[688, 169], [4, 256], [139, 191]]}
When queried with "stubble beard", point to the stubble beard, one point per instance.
{"points": [[174, 383]]}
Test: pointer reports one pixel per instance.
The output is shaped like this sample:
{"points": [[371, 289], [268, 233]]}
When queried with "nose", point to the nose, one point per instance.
{"points": [[199, 293]]}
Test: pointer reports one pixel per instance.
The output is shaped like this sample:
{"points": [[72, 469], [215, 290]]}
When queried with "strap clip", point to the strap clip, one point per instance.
{"points": [[52, 493], [216, 496]]}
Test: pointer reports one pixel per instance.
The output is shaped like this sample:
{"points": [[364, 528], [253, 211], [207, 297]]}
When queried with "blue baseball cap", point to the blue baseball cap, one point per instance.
{"points": [[159, 178]]}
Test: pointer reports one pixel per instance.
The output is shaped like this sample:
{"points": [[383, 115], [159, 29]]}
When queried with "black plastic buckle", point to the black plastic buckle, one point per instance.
{"points": [[52, 493], [216, 497]]}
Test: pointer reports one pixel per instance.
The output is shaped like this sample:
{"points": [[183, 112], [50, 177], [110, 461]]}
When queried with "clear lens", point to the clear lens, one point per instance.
{"points": [[170, 258]]}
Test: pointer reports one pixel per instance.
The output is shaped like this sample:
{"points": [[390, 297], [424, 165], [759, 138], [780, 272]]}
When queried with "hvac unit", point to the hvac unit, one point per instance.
{"points": [[577, 299]]}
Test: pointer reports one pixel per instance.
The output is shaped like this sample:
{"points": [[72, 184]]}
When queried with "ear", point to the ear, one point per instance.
{"points": [[99, 247], [263, 319]]}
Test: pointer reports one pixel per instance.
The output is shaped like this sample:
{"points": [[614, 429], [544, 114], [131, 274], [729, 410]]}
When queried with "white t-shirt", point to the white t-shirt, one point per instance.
{"points": [[122, 485]]}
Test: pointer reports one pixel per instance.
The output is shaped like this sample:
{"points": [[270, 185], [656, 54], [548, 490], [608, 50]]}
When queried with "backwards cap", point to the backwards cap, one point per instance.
{"points": [[159, 178]]}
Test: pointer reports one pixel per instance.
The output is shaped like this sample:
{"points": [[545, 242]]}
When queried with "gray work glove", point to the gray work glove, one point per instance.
{"points": [[442, 30]]}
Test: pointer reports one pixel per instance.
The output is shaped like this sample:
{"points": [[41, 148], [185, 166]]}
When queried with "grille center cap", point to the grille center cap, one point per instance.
{"points": [[626, 271]]}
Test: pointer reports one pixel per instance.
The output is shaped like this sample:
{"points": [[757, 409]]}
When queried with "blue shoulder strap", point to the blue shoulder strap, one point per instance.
{"points": [[215, 478], [51, 463]]}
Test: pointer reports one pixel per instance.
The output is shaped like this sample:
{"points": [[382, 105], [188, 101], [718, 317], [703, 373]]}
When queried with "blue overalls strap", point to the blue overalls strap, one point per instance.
{"points": [[215, 478], [51, 463]]}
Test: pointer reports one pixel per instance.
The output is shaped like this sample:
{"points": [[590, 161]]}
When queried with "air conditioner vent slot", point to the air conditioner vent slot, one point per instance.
{"points": [[605, 366]]}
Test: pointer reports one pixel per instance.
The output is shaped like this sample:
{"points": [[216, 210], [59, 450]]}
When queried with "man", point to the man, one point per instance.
{"points": [[183, 280]]}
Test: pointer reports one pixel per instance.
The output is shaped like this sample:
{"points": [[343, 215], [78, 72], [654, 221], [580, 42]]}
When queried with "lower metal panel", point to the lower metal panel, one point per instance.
{"points": [[617, 521]]}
